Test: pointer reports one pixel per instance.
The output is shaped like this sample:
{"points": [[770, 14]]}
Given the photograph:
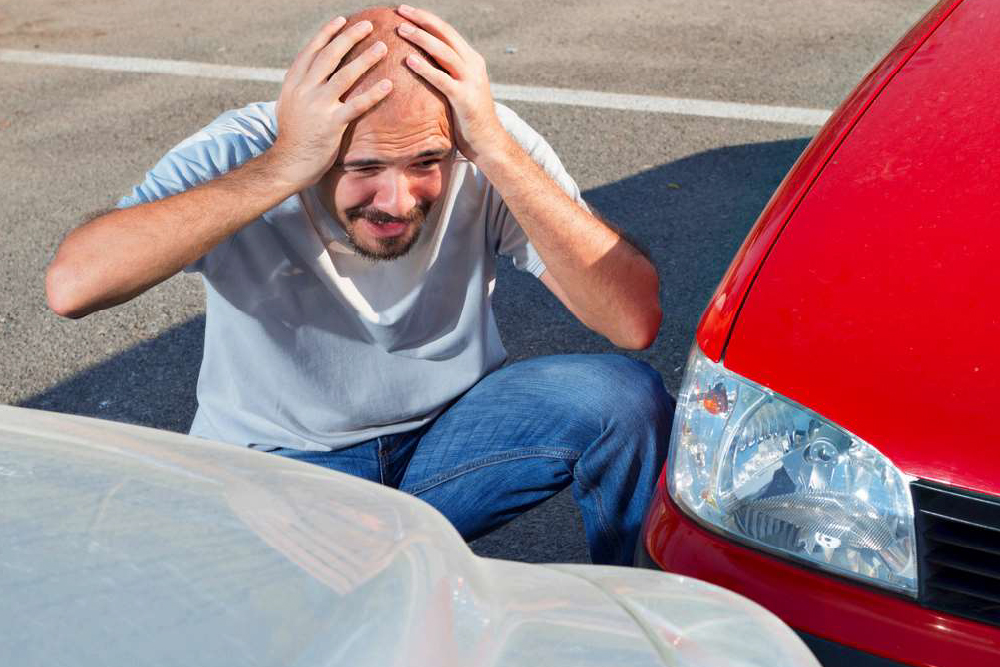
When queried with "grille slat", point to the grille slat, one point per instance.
{"points": [[959, 505], [966, 561], [960, 535], [958, 546], [952, 582], [960, 522]]}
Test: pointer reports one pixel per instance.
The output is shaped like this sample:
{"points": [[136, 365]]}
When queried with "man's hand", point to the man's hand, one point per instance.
{"points": [[464, 81], [311, 117]]}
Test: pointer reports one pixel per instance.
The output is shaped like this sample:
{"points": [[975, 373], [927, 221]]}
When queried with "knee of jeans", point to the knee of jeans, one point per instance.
{"points": [[631, 391]]}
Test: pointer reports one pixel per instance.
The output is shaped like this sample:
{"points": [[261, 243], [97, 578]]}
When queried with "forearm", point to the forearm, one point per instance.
{"points": [[608, 284], [117, 256]]}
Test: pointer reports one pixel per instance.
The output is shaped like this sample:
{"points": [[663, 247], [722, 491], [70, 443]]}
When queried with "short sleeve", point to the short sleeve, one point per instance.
{"points": [[227, 142], [508, 237]]}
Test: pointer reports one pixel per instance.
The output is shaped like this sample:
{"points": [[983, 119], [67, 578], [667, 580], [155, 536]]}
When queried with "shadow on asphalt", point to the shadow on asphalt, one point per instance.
{"points": [[151, 384], [691, 215]]}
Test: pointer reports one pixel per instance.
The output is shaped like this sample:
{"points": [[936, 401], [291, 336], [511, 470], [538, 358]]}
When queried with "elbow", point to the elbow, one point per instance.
{"points": [[643, 324], [61, 293], [650, 327], [643, 330], [640, 328]]}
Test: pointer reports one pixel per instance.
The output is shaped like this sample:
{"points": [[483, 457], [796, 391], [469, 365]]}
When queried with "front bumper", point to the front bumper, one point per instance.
{"points": [[842, 622], [830, 654]]}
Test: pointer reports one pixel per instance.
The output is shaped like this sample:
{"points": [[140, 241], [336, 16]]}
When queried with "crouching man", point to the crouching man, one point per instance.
{"points": [[347, 237]]}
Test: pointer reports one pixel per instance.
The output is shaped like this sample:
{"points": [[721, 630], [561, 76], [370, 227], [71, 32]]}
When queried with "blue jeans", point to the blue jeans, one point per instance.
{"points": [[522, 434]]}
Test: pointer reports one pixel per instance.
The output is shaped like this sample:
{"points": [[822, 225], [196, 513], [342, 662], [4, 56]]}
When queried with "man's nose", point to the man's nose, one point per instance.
{"points": [[393, 195]]}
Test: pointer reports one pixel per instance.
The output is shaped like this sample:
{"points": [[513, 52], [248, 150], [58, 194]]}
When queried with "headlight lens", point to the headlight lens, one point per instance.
{"points": [[776, 475]]}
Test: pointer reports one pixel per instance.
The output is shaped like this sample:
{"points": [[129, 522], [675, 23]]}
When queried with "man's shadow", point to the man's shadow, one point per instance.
{"points": [[691, 215]]}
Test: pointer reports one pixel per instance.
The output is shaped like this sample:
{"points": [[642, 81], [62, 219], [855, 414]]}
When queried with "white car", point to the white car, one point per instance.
{"points": [[129, 546]]}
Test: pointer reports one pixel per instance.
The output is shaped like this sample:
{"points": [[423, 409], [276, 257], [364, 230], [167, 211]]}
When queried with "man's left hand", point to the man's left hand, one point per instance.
{"points": [[464, 81]]}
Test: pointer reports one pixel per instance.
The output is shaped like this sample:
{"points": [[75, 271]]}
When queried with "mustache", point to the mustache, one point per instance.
{"points": [[417, 214]]}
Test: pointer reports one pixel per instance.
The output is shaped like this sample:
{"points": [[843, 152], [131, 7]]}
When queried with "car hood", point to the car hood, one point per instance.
{"points": [[127, 545], [877, 306]]}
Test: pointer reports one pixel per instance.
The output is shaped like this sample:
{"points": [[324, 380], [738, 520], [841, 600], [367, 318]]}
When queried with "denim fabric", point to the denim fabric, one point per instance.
{"points": [[600, 423]]}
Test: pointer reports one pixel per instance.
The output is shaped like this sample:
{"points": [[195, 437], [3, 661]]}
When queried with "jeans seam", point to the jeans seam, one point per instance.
{"points": [[584, 482], [382, 457], [561, 454]]}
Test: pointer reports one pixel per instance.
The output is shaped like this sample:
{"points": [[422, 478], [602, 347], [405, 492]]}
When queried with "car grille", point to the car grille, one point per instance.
{"points": [[958, 544]]}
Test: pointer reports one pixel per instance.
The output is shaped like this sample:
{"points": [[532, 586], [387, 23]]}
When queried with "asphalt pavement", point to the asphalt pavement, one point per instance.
{"points": [[688, 187]]}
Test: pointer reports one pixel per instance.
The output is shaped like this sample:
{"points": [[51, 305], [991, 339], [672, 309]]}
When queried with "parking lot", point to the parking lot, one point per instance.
{"points": [[605, 80]]}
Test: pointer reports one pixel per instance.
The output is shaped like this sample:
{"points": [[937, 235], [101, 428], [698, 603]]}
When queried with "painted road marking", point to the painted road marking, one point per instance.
{"points": [[564, 96]]}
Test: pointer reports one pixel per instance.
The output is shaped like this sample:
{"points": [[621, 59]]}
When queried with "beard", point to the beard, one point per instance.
{"points": [[385, 248]]}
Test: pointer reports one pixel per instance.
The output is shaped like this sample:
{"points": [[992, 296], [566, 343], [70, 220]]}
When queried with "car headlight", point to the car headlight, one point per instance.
{"points": [[775, 475]]}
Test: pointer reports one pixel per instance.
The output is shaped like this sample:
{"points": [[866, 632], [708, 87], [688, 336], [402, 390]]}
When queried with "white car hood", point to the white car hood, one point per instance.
{"points": [[122, 545]]}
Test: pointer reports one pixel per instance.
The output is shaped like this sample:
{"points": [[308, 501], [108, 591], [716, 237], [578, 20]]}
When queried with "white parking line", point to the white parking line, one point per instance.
{"points": [[579, 98]]}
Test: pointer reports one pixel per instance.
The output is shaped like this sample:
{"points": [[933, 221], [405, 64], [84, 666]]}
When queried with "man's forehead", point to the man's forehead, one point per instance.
{"points": [[400, 128]]}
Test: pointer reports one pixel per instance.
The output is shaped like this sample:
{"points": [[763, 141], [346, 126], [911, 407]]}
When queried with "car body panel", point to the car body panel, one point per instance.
{"points": [[717, 321], [853, 615], [131, 546], [869, 297], [877, 306]]}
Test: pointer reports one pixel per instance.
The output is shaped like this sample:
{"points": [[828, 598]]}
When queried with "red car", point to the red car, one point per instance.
{"points": [[835, 449]]}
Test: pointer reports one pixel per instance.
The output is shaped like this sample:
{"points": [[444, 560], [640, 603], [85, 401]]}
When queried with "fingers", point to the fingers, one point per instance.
{"points": [[438, 28], [361, 103], [329, 58], [305, 57], [342, 81], [440, 80], [443, 54]]}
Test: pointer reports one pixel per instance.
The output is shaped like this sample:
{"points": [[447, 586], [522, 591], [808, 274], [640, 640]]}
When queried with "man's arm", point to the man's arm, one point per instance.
{"points": [[117, 256], [121, 254], [597, 274], [609, 285]]}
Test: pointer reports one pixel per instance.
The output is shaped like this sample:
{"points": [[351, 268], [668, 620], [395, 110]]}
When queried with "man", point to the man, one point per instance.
{"points": [[347, 237]]}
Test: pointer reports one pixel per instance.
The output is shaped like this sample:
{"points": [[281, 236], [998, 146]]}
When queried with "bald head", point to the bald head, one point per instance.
{"points": [[405, 84]]}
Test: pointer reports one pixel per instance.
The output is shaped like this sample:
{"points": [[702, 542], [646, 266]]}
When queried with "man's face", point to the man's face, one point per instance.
{"points": [[392, 167]]}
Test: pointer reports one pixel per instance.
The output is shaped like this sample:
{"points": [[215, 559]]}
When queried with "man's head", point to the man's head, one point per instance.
{"points": [[395, 159]]}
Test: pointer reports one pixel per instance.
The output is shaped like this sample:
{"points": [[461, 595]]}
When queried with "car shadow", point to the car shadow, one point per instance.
{"points": [[690, 215]]}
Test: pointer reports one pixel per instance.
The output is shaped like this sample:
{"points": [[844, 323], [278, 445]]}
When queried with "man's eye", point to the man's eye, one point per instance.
{"points": [[427, 164]]}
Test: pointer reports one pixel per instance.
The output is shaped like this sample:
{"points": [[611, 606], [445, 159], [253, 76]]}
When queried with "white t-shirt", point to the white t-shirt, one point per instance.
{"points": [[319, 349]]}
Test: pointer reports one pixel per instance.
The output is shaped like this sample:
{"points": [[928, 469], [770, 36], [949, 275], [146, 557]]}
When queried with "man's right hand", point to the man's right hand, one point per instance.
{"points": [[311, 117], [117, 256]]}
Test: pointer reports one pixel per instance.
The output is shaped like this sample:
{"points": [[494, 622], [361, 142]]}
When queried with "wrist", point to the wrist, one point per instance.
{"points": [[259, 184], [499, 151], [282, 174]]}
